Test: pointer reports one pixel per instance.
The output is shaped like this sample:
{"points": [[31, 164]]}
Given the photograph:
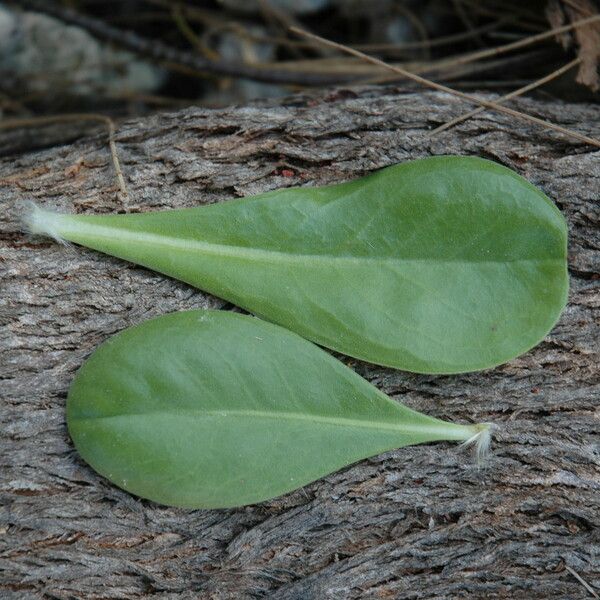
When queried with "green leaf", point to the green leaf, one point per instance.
{"points": [[209, 409], [442, 265]]}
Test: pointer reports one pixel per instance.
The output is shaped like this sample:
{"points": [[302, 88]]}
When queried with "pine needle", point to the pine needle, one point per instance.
{"points": [[522, 90], [74, 117], [448, 90]]}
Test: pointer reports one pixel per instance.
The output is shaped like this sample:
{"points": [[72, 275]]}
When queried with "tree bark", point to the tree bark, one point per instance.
{"points": [[420, 522]]}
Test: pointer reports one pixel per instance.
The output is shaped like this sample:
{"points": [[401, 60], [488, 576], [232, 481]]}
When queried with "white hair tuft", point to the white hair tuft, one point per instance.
{"points": [[39, 221], [480, 441]]}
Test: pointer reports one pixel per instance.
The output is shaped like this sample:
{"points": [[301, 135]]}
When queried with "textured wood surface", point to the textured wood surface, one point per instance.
{"points": [[421, 522]]}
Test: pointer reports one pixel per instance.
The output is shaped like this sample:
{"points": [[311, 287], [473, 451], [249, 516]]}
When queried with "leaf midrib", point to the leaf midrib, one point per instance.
{"points": [[454, 431], [107, 233]]}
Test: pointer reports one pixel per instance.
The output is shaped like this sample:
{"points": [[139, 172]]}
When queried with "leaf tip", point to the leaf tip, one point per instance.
{"points": [[480, 441], [38, 221]]}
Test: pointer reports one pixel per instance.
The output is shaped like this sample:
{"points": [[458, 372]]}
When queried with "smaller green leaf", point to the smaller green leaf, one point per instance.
{"points": [[208, 409]]}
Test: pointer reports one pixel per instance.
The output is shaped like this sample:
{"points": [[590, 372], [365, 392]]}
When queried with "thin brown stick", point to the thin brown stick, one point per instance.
{"points": [[182, 24], [437, 41], [449, 90], [577, 6], [525, 18], [582, 581], [11, 104], [74, 117], [464, 17], [464, 59], [522, 43], [216, 20], [417, 24], [497, 50], [522, 90], [165, 53]]}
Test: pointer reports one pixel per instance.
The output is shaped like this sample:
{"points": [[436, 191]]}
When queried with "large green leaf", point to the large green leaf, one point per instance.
{"points": [[214, 409], [441, 265]]}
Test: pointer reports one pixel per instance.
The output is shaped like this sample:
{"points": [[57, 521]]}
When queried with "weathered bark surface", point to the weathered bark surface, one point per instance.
{"points": [[420, 522]]}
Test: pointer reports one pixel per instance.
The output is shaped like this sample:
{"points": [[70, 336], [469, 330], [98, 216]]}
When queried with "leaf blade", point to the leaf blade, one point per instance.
{"points": [[375, 267]]}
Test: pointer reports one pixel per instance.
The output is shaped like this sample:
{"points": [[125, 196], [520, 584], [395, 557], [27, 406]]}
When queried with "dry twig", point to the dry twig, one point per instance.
{"points": [[582, 581], [173, 56], [75, 117], [522, 90], [522, 43]]}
